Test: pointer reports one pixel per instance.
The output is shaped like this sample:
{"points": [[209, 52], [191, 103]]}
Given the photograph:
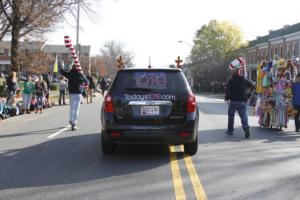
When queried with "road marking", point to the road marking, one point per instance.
{"points": [[198, 188], [177, 180], [58, 132]]}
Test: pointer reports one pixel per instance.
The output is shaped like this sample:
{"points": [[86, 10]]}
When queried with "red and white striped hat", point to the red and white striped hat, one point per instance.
{"points": [[239, 64], [69, 45]]}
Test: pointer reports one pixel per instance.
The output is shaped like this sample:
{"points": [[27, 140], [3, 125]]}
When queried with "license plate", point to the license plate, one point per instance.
{"points": [[149, 110]]}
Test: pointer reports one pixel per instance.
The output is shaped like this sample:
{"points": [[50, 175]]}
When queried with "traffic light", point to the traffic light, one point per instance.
{"points": [[120, 63], [178, 61]]}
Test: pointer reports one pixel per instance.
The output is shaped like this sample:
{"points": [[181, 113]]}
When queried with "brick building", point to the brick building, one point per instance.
{"points": [[51, 51], [284, 42], [64, 56]]}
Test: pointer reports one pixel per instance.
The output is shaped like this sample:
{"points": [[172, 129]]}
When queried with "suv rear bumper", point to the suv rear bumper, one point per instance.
{"points": [[155, 134]]}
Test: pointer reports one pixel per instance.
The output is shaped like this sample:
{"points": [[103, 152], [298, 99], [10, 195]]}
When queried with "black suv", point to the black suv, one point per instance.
{"points": [[153, 106]]}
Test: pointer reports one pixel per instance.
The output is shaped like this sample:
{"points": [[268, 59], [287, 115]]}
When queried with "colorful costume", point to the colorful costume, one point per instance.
{"points": [[273, 86]]}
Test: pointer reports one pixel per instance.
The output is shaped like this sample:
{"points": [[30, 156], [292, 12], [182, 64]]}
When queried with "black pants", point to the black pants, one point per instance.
{"points": [[62, 95], [103, 91], [10, 97], [297, 123]]}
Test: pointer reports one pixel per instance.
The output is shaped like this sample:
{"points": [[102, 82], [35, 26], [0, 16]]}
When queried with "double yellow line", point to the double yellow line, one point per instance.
{"points": [[177, 180]]}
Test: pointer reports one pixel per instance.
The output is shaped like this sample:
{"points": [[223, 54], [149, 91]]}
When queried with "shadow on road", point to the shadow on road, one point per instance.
{"points": [[265, 135], [263, 167], [74, 159], [218, 108], [31, 132]]}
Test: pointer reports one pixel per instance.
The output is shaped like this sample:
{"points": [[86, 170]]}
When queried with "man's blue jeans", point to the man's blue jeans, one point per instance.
{"points": [[241, 108], [74, 107]]}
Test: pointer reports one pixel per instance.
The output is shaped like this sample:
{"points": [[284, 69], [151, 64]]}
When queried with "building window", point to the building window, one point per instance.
{"points": [[276, 52], [1, 52], [281, 52], [294, 49]]}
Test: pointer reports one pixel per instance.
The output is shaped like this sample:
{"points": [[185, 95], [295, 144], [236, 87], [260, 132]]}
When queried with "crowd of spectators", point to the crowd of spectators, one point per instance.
{"points": [[31, 93]]}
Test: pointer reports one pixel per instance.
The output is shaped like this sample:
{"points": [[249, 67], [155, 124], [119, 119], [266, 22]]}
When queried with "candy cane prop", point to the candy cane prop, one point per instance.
{"points": [[70, 46]]}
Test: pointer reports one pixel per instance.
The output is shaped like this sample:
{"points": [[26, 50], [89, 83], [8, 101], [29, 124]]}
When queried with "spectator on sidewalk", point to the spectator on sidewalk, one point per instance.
{"points": [[75, 80], [103, 85], [48, 79], [62, 90], [11, 82], [236, 95], [40, 91], [91, 88], [33, 104], [27, 94], [296, 101]]}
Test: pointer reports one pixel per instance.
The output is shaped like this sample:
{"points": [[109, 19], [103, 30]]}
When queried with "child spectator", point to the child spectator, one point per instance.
{"points": [[33, 103]]}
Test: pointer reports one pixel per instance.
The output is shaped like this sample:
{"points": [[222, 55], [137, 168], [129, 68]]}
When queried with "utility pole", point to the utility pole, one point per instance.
{"points": [[77, 29], [149, 66]]}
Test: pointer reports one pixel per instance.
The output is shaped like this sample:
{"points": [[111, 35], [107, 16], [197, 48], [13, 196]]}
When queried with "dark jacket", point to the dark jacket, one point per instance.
{"points": [[236, 88], [103, 84], [40, 88], [92, 84], [11, 86], [75, 80], [296, 94]]}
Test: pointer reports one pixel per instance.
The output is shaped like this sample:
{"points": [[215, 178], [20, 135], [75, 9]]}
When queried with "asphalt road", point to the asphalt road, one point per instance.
{"points": [[41, 159]]}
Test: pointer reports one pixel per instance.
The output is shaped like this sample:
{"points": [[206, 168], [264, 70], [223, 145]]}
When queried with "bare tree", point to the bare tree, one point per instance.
{"points": [[111, 51], [32, 18], [35, 62], [5, 26], [97, 68]]}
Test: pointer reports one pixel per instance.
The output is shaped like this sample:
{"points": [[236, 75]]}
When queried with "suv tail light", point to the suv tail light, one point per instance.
{"points": [[191, 104], [108, 103]]}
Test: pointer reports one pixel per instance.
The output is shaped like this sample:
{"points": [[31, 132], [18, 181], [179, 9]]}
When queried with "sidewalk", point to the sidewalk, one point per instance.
{"points": [[54, 97], [211, 95]]}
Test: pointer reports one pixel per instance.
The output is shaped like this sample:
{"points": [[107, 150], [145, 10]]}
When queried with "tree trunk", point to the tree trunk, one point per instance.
{"points": [[15, 34]]}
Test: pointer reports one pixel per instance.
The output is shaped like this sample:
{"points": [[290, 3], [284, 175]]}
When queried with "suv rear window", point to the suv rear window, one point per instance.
{"points": [[160, 80]]}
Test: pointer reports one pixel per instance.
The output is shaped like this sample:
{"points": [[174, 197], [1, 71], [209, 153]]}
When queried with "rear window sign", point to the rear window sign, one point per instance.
{"points": [[153, 80], [130, 97]]}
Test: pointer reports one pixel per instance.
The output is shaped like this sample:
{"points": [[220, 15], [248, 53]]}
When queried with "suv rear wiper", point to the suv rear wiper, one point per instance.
{"points": [[138, 88]]}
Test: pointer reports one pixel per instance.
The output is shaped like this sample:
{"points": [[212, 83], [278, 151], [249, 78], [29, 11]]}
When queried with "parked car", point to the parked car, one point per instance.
{"points": [[149, 106]]}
